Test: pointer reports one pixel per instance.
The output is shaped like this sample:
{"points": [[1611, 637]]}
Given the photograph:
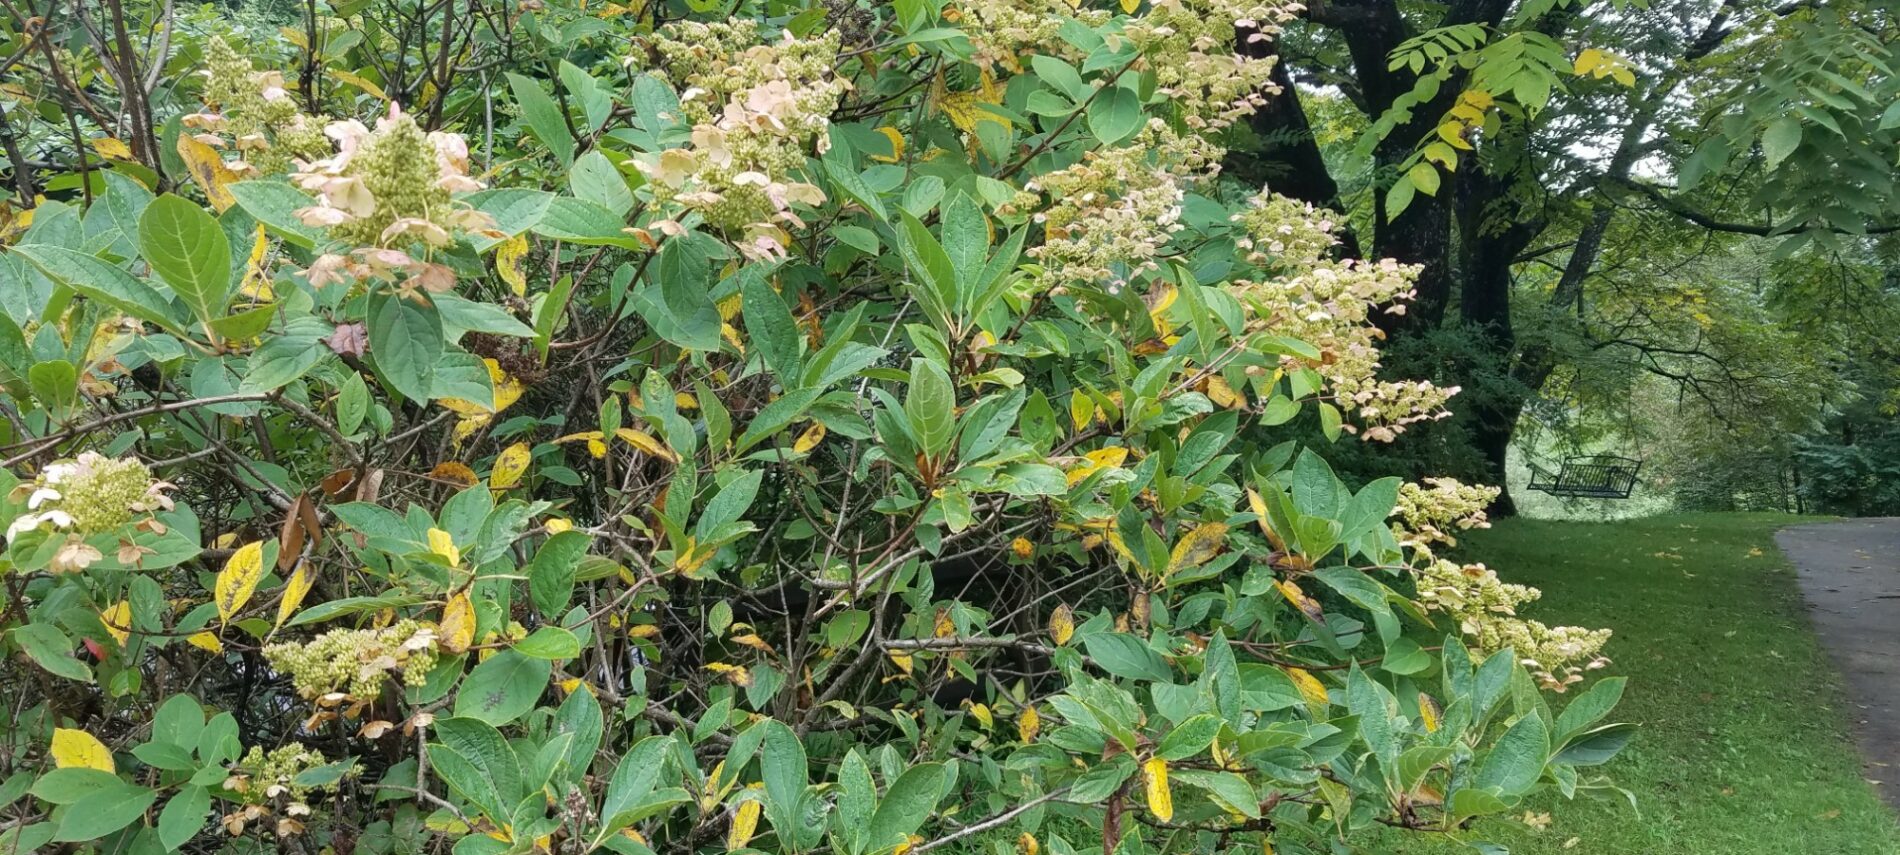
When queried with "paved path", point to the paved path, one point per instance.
{"points": [[1850, 575]]}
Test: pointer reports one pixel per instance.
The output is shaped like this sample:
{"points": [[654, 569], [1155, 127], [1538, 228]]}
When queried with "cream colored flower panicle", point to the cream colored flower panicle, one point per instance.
{"points": [[1006, 32], [353, 664], [757, 110], [1486, 610], [1430, 513], [252, 113], [393, 186], [1108, 217], [1189, 45], [1329, 304]]}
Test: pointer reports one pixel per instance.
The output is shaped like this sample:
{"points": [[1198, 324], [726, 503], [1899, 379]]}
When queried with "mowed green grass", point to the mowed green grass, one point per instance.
{"points": [[1744, 747]]}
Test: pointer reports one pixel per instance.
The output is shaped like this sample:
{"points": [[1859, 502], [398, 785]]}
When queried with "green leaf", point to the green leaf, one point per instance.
{"points": [[550, 642], [107, 283], [104, 812], [1424, 178], [773, 331], [1517, 760], [52, 650], [543, 117], [905, 807], [275, 204], [551, 574], [1230, 789], [1596, 747], [1590, 707], [352, 404], [1189, 738], [503, 689], [185, 246], [1781, 138], [1125, 655], [782, 765], [406, 340], [1115, 114], [485, 749], [930, 265], [595, 179], [183, 817], [635, 777], [930, 406]]}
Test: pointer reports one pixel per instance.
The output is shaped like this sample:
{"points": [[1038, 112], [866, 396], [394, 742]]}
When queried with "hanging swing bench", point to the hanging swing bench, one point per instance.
{"points": [[1590, 476]]}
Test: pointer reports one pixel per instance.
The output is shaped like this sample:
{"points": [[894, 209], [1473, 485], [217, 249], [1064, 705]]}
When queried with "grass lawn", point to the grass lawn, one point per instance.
{"points": [[1744, 746]]}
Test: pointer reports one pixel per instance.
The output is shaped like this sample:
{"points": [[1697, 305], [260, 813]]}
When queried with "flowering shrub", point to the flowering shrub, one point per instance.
{"points": [[863, 430]]}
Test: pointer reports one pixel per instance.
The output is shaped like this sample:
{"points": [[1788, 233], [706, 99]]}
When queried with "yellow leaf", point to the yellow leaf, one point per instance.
{"points": [[1026, 844], [1309, 606], [558, 525], [359, 82], [646, 443], [1223, 395], [1428, 712], [944, 625], [1028, 724], [897, 145], [508, 263], [255, 285], [239, 578], [1061, 624], [810, 438], [738, 675], [507, 391], [443, 544], [729, 307], [1101, 458], [1081, 408], [205, 641], [1588, 60], [1160, 799], [1197, 547], [1310, 687], [745, 821], [77, 749], [458, 623], [207, 167], [457, 472], [902, 661], [981, 712], [510, 464], [118, 621], [294, 591], [110, 148]]}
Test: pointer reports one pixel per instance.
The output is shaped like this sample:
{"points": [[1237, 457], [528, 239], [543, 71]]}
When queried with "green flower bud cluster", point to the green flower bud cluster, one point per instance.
{"points": [[1004, 32], [356, 662], [1486, 610], [1431, 512], [262, 776], [397, 164], [255, 110]]}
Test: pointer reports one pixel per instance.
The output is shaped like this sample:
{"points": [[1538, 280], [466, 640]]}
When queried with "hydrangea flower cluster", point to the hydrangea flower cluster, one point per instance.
{"points": [[347, 664], [263, 778], [1189, 44], [756, 111], [90, 494], [1486, 610], [1003, 32], [255, 111], [1329, 304], [1427, 513], [1111, 214], [392, 185]]}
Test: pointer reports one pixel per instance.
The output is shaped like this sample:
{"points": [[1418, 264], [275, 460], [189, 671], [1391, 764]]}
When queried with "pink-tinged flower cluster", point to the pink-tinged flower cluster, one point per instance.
{"points": [[393, 186], [90, 494], [757, 111]]}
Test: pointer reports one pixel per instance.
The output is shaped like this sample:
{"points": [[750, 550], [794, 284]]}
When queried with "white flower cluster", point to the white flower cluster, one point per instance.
{"points": [[1109, 216], [1428, 513], [1189, 44], [1006, 32], [757, 111], [1486, 610], [90, 494], [391, 185], [1328, 304]]}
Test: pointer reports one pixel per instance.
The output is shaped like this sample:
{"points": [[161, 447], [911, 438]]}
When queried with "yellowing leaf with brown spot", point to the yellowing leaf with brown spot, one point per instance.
{"points": [[454, 472], [77, 749], [510, 465], [118, 621], [1061, 624], [239, 578], [1223, 395], [1028, 724], [738, 675], [1428, 712], [944, 626], [647, 444], [1310, 687], [1307, 605], [1197, 547], [745, 821], [458, 623], [810, 438], [1160, 798], [208, 169], [508, 263]]}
